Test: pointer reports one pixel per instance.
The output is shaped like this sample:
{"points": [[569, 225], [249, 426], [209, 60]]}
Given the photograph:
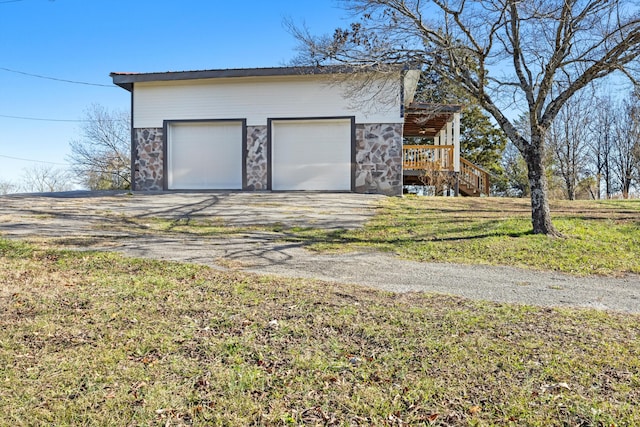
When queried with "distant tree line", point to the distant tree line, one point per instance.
{"points": [[39, 178], [594, 150]]}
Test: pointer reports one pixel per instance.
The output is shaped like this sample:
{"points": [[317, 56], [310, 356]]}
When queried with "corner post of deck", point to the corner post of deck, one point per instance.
{"points": [[456, 142]]}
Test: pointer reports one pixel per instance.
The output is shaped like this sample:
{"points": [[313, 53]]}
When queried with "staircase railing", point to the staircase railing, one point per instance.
{"points": [[475, 178]]}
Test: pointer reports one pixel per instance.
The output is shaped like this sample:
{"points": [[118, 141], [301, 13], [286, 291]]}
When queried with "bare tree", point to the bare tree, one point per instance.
{"points": [[101, 157], [41, 178], [515, 170], [568, 137], [626, 155], [601, 145], [503, 53], [8, 187]]}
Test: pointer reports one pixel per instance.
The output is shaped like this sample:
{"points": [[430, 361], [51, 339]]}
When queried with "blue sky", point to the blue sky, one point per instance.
{"points": [[85, 40]]}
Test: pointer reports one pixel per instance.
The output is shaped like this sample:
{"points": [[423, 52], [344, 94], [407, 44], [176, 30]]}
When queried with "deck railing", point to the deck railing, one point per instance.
{"points": [[474, 177], [431, 158], [427, 157]]}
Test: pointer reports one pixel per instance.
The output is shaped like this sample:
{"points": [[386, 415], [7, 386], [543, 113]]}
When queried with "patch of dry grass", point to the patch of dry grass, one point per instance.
{"points": [[97, 339]]}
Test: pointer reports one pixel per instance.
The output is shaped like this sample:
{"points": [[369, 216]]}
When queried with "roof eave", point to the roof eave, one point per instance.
{"points": [[126, 80], [123, 83]]}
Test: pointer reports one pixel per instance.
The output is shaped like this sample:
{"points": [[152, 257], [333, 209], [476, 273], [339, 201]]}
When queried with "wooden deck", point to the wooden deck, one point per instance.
{"points": [[431, 161], [427, 157]]}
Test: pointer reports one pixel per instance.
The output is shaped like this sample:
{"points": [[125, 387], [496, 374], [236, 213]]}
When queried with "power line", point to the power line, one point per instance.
{"points": [[15, 1], [41, 119], [60, 164], [52, 78], [33, 161]]}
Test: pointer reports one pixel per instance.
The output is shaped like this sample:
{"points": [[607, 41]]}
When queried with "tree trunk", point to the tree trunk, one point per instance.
{"points": [[540, 212], [571, 190], [626, 186]]}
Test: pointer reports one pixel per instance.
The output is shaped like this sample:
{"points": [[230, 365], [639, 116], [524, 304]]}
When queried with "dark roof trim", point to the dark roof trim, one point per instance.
{"points": [[126, 80]]}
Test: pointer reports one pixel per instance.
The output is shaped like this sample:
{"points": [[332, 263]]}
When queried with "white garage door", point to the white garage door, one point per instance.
{"points": [[311, 155], [204, 156]]}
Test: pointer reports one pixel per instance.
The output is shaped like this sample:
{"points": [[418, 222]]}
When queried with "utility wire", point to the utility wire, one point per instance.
{"points": [[53, 78], [59, 164], [41, 119], [14, 1], [33, 161]]}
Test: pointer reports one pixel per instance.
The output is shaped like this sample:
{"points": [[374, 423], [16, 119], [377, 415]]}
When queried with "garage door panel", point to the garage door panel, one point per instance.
{"points": [[205, 156], [311, 155]]}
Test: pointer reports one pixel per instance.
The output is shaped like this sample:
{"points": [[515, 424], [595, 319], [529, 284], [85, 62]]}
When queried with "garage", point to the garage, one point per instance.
{"points": [[204, 155], [312, 154], [269, 129]]}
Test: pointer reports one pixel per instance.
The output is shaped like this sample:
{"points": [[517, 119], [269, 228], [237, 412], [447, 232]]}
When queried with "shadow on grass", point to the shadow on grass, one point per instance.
{"points": [[310, 237]]}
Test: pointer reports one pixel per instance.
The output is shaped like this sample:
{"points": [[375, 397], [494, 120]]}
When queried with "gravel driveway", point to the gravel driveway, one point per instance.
{"points": [[94, 221]]}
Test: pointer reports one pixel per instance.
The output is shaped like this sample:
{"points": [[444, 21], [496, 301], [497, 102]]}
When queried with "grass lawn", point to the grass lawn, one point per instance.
{"points": [[600, 237], [98, 339]]}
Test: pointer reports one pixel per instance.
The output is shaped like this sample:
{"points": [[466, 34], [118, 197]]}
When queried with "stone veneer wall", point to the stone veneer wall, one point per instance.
{"points": [[379, 159], [256, 158], [148, 171]]}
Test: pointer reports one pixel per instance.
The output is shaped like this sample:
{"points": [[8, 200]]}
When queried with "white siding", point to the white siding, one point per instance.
{"points": [[257, 99]]}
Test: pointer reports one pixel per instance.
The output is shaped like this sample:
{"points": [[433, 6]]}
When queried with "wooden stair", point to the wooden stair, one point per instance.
{"points": [[474, 181], [424, 163]]}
